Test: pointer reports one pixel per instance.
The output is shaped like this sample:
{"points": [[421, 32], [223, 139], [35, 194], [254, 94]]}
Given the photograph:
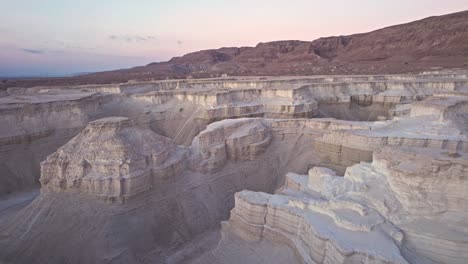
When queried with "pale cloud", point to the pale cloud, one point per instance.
{"points": [[34, 51], [132, 38]]}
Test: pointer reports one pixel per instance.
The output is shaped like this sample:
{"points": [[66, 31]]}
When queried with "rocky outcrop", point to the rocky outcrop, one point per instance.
{"points": [[40, 119], [320, 231], [234, 140], [401, 146], [34, 125], [446, 107], [426, 126], [26, 117], [393, 210], [112, 159], [218, 105], [150, 224]]}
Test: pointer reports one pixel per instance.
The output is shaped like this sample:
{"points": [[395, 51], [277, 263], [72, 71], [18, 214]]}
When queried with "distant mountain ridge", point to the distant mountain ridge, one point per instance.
{"points": [[432, 43], [440, 41]]}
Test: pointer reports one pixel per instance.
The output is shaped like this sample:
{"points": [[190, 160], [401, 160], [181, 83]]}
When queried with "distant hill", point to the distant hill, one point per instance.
{"points": [[431, 43]]}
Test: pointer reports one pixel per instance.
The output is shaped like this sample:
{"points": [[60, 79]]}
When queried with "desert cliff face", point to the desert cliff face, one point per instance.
{"points": [[39, 117], [337, 169]]}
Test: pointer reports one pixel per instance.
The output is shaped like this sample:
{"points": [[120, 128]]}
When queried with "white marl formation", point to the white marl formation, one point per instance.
{"points": [[236, 170]]}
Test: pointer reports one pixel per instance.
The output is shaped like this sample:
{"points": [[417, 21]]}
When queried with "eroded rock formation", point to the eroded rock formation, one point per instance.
{"points": [[407, 205], [146, 172], [241, 139], [112, 159], [36, 121]]}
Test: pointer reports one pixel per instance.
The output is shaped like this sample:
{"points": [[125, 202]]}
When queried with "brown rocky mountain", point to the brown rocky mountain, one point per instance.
{"points": [[428, 44]]}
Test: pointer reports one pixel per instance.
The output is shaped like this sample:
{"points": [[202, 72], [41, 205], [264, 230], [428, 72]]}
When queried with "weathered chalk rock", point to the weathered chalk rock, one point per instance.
{"points": [[239, 139], [439, 122], [319, 231], [111, 158], [405, 203], [447, 106], [408, 205], [37, 120], [431, 187]]}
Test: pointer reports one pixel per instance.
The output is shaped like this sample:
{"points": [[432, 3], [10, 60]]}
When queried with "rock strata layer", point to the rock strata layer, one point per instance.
{"points": [[393, 210], [237, 170], [38, 120], [112, 159]]}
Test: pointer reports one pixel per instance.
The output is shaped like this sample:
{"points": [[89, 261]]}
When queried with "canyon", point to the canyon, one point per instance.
{"points": [[246, 169], [431, 44]]}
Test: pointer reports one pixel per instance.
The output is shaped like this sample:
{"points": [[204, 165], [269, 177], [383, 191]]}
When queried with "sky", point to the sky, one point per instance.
{"points": [[62, 37]]}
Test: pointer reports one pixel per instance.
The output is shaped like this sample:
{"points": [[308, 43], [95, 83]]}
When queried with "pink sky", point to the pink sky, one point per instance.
{"points": [[56, 37]]}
